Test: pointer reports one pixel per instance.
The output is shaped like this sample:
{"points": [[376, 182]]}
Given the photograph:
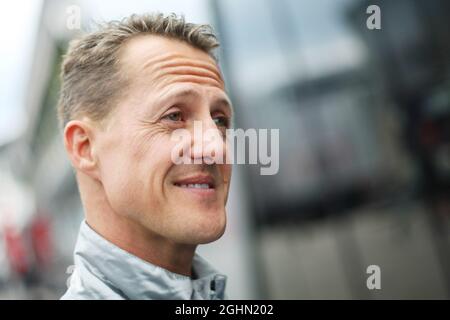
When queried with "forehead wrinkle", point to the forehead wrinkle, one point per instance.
{"points": [[149, 62], [173, 59], [188, 62], [185, 71], [176, 64], [168, 80]]}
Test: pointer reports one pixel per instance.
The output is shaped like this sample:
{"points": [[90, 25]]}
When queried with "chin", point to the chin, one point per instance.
{"points": [[211, 237], [207, 231]]}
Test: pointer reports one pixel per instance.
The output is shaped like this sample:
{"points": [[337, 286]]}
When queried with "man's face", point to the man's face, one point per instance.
{"points": [[171, 85]]}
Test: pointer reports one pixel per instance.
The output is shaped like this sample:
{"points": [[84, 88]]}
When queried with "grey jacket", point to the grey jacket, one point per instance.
{"points": [[104, 271]]}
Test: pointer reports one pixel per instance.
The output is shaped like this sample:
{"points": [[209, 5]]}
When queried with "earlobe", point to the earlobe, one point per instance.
{"points": [[78, 141]]}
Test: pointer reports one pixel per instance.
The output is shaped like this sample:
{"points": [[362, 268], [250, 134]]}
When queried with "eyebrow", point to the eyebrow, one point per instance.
{"points": [[188, 92], [226, 103]]}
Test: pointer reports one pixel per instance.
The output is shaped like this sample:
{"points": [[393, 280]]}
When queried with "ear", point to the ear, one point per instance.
{"points": [[78, 141]]}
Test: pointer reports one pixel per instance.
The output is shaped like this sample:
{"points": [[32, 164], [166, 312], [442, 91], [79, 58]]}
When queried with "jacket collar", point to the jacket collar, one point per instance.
{"points": [[135, 278]]}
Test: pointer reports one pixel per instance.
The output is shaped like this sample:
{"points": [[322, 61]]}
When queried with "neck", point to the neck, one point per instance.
{"points": [[132, 237]]}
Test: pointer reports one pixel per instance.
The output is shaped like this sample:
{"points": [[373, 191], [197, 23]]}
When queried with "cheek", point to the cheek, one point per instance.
{"points": [[134, 168], [151, 161], [226, 172], [121, 177], [149, 144], [120, 172]]}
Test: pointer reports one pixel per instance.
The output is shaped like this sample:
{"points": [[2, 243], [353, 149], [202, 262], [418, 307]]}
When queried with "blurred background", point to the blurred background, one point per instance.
{"points": [[364, 119]]}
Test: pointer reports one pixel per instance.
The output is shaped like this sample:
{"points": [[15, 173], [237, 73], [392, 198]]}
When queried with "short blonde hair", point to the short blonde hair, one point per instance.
{"points": [[91, 78]]}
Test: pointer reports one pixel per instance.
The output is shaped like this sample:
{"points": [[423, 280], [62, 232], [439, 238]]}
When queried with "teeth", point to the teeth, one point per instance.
{"points": [[195, 185]]}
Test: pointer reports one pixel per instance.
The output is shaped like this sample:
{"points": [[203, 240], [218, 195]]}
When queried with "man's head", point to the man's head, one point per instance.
{"points": [[125, 89]]}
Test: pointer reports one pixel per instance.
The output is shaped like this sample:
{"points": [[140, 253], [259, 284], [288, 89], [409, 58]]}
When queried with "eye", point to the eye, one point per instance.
{"points": [[174, 116], [222, 121]]}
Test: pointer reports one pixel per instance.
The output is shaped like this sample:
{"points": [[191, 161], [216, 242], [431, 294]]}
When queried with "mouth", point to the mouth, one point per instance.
{"points": [[195, 186], [199, 184]]}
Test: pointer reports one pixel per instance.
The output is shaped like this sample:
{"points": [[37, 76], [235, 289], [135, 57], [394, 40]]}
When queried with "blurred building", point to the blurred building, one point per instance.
{"points": [[364, 141]]}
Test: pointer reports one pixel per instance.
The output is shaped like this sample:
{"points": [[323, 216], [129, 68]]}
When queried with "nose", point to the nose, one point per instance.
{"points": [[207, 144]]}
